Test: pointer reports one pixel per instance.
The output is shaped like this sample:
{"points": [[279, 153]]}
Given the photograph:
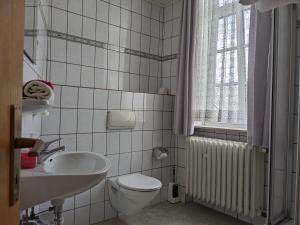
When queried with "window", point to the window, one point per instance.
{"points": [[221, 99]]}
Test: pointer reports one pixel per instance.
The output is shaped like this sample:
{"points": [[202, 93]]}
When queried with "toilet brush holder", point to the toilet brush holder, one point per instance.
{"points": [[173, 193]]}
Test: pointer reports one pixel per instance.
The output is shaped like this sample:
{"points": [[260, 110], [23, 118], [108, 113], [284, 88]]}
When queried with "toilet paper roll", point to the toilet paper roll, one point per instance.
{"points": [[162, 156]]}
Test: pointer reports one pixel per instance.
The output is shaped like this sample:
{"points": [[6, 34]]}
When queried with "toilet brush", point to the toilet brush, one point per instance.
{"points": [[173, 190]]}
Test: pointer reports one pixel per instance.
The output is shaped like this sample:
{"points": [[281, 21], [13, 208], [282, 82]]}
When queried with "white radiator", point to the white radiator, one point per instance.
{"points": [[225, 174]]}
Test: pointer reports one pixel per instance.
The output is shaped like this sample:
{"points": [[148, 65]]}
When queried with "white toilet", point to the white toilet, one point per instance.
{"points": [[130, 193]]}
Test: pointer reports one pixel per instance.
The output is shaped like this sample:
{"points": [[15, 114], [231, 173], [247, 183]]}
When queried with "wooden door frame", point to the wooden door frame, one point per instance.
{"points": [[11, 70]]}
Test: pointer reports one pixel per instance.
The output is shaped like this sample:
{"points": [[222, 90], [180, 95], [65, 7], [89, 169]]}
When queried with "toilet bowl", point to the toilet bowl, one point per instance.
{"points": [[130, 193]]}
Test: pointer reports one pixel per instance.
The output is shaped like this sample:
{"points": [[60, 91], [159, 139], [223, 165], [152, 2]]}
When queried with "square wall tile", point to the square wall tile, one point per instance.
{"points": [[58, 50], [125, 18], [99, 143], [100, 99], [69, 97], [74, 24], [113, 143], [125, 141], [138, 101], [126, 101], [97, 192], [114, 100], [113, 80], [134, 84], [69, 140], [89, 8], [125, 160], [147, 140], [148, 120], [113, 60], [73, 52], [73, 75], [137, 6], [85, 98], [137, 141], [87, 76], [84, 142], [101, 58], [82, 199], [114, 160], [99, 121], [97, 213], [109, 211], [124, 81], [114, 35], [88, 28], [136, 162], [68, 121], [147, 160], [85, 120], [114, 15], [100, 78], [101, 31], [58, 73], [102, 11], [59, 20], [82, 216], [126, 4], [88, 55], [75, 6], [68, 217], [50, 124]]}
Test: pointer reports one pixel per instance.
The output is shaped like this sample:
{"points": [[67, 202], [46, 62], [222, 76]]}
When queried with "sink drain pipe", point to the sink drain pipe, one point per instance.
{"points": [[58, 211]]}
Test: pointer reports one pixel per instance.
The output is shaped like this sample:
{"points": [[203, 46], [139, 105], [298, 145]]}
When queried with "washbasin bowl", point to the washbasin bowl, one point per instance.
{"points": [[62, 175]]}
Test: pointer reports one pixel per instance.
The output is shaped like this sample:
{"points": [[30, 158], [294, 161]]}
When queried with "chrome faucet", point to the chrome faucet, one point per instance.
{"points": [[44, 153]]}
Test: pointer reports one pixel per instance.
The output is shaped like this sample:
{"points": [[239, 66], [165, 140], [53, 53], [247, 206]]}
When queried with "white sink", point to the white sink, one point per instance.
{"points": [[62, 175]]}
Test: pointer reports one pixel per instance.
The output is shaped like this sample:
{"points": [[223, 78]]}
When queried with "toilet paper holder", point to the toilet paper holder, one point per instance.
{"points": [[160, 153]]}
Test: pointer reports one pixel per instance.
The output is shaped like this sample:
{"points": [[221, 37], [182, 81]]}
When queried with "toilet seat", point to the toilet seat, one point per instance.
{"points": [[139, 182]]}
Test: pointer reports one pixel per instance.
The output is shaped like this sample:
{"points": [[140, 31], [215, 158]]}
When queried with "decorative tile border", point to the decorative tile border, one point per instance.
{"points": [[34, 33], [99, 44]]}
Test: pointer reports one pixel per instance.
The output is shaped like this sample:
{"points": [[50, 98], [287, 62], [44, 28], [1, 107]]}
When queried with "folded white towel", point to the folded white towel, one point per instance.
{"points": [[265, 5], [37, 89]]}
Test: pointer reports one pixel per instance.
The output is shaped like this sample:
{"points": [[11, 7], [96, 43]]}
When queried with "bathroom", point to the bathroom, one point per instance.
{"points": [[164, 112]]}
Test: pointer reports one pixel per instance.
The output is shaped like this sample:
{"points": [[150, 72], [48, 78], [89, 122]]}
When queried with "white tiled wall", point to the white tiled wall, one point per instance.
{"points": [[120, 25], [171, 33]]}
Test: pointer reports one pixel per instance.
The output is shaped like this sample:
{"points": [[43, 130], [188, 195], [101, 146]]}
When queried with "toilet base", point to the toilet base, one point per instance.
{"points": [[128, 202]]}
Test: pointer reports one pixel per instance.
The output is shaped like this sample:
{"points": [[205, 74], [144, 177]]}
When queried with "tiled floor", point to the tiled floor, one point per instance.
{"points": [[177, 214]]}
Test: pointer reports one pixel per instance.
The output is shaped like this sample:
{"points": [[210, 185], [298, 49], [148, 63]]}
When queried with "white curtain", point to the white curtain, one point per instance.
{"points": [[220, 63]]}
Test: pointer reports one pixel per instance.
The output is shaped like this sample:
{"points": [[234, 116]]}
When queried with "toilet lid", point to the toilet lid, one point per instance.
{"points": [[139, 182]]}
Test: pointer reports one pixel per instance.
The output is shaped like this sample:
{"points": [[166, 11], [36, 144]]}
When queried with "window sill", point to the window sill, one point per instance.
{"points": [[211, 127]]}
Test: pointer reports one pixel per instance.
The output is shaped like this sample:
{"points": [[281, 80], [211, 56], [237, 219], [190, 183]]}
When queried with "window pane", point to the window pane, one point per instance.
{"points": [[227, 35], [231, 67], [225, 2], [230, 31], [246, 25], [219, 67], [221, 35]]}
